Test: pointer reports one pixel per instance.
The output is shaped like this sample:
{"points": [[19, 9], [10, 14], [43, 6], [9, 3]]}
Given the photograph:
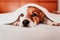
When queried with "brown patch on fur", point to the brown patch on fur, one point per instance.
{"points": [[38, 12]]}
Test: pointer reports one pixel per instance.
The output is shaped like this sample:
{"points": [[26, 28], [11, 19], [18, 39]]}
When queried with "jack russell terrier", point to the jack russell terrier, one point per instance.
{"points": [[34, 15]]}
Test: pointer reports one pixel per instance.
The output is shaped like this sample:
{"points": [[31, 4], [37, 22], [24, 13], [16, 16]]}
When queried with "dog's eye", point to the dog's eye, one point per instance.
{"points": [[21, 15], [34, 14]]}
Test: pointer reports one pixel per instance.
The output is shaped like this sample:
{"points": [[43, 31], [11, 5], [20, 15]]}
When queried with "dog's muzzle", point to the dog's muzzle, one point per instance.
{"points": [[25, 23]]}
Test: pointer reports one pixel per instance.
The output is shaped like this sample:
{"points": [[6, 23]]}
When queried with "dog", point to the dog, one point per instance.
{"points": [[33, 17]]}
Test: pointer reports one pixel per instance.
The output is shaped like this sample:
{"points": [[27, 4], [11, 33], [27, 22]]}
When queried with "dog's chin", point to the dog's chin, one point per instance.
{"points": [[28, 26]]}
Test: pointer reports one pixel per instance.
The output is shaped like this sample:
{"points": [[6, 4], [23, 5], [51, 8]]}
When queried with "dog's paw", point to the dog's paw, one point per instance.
{"points": [[15, 23], [56, 24]]}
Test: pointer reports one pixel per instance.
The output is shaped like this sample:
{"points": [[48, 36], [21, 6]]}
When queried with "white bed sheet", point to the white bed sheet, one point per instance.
{"points": [[40, 32]]}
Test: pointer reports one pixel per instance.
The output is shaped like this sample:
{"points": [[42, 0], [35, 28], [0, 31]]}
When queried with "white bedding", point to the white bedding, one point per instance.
{"points": [[41, 32]]}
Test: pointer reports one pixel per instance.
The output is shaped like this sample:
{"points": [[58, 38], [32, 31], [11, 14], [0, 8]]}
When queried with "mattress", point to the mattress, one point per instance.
{"points": [[40, 32]]}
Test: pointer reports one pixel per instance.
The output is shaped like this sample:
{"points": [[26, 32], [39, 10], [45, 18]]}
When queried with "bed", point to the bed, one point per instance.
{"points": [[40, 32]]}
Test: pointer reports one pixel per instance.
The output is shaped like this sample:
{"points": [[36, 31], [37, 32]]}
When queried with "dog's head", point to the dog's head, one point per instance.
{"points": [[32, 18]]}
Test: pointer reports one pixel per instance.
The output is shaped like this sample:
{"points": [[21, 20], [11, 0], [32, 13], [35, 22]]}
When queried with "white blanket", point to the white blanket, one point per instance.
{"points": [[12, 16]]}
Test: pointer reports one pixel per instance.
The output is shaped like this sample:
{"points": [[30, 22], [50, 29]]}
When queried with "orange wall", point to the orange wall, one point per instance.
{"points": [[11, 5]]}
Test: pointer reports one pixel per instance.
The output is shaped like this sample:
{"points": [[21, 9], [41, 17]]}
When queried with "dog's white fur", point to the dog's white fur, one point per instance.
{"points": [[10, 17]]}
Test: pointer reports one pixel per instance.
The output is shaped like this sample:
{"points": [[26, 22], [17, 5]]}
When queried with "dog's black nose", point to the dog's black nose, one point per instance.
{"points": [[25, 23]]}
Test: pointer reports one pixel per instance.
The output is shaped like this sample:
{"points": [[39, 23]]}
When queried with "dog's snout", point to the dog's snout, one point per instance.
{"points": [[25, 22]]}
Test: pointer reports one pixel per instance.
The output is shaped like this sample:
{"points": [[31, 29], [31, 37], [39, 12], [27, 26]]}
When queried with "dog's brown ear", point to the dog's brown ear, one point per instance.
{"points": [[41, 14], [18, 19]]}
